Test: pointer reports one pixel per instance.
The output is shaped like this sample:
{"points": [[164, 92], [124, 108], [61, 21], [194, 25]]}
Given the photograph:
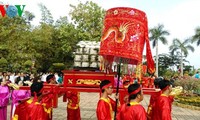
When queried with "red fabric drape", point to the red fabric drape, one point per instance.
{"points": [[124, 35]]}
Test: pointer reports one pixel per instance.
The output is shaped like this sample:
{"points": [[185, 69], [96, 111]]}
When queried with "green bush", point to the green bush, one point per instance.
{"points": [[194, 101], [57, 67]]}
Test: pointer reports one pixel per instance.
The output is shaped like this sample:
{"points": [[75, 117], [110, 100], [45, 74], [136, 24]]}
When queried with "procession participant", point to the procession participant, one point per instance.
{"points": [[48, 96], [51, 79], [153, 98], [73, 108], [48, 99], [32, 109], [106, 105], [163, 104], [4, 99], [73, 97], [17, 95], [133, 110]]}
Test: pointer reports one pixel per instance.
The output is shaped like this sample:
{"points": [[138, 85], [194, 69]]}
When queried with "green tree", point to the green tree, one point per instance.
{"points": [[46, 15], [28, 16], [88, 18], [181, 48], [168, 62], [48, 43], [196, 37], [65, 40], [158, 34], [3, 63], [14, 41], [43, 44]]}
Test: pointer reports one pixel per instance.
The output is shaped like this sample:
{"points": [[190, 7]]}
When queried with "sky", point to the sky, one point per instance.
{"points": [[179, 17]]}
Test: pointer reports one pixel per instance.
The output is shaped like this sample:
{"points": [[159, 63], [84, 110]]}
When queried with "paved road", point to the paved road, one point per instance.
{"points": [[88, 109]]}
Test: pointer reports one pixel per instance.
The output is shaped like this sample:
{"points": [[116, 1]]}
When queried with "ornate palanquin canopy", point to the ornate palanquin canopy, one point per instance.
{"points": [[124, 35]]}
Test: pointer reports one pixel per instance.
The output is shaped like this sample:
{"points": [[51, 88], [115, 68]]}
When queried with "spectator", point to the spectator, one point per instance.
{"points": [[197, 75]]}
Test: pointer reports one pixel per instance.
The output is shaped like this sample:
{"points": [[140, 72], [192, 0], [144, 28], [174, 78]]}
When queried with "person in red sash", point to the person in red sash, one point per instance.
{"points": [[163, 104], [32, 108], [73, 97], [153, 98], [133, 110], [48, 96], [106, 105], [73, 109]]}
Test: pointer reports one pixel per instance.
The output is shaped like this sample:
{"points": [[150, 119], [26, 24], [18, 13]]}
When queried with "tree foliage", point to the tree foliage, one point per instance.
{"points": [[158, 34], [88, 18], [168, 62], [196, 37], [66, 37], [44, 44], [182, 49], [14, 42], [46, 15]]}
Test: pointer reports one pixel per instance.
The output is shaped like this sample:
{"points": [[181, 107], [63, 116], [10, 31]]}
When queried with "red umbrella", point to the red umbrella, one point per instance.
{"points": [[123, 38]]}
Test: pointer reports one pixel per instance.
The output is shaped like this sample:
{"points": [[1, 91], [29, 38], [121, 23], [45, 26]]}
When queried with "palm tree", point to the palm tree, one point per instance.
{"points": [[158, 34], [181, 48], [196, 37]]}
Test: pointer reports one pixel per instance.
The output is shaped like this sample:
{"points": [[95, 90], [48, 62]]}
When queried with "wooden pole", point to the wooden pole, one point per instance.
{"points": [[117, 89]]}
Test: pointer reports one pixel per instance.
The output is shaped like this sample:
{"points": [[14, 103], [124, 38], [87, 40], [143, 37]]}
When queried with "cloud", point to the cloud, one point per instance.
{"points": [[181, 22]]}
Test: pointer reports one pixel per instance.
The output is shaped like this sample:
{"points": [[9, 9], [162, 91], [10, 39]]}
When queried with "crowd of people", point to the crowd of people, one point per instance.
{"points": [[23, 77], [36, 103]]}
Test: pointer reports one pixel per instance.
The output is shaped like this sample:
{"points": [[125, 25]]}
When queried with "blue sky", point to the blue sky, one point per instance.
{"points": [[180, 17]]}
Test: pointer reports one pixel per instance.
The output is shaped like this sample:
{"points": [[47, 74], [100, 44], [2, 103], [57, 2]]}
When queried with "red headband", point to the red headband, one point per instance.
{"points": [[105, 86], [35, 95], [51, 79], [165, 88], [135, 91]]}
